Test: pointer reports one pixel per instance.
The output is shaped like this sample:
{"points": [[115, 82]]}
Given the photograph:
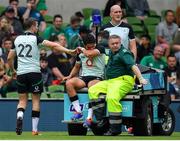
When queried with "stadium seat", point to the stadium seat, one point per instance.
{"points": [[152, 13], [87, 12], [106, 20], [153, 37], [134, 21], [138, 30], [151, 28], [87, 22], [2, 8], [151, 21]]}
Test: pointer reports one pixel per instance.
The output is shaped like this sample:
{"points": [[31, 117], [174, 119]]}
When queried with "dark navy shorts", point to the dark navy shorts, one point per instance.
{"points": [[30, 83], [87, 79]]}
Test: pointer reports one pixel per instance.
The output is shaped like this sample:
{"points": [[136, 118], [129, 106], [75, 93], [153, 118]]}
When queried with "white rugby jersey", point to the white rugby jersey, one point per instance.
{"points": [[26, 48], [123, 30], [94, 66]]}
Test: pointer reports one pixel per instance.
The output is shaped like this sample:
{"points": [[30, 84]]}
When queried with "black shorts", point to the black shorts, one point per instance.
{"points": [[30, 83], [87, 79]]}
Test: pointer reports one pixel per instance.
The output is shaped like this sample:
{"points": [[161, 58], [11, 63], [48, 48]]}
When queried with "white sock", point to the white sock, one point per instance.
{"points": [[90, 113], [76, 106], [35, 121], [20, 114]]}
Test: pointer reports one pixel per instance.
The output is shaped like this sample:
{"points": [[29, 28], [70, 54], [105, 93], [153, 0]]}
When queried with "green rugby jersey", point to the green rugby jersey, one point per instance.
{"points": [[120, 63]]}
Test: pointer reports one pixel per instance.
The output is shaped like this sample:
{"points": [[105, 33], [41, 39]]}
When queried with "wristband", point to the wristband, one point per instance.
{"points": [[141, 78], [82, 48]]}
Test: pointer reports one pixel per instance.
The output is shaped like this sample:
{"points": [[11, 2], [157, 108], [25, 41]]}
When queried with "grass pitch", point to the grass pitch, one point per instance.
{"points": [[89, 136]]}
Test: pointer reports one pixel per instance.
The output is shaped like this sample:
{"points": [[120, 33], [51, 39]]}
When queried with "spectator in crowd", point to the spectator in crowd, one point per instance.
{"points": [[76, 40], [144, 47], [156, 60], [73, 28], [172, 71], [103, 37], [15, 5], [110, 3], [29, 76], [6, 29], [91, 61], [7, 44], [176, 45], [117, 27], [176, 42], [54, 29], [43, 52], [80, 15], [165, 31], [139, 8], [59, 63], [16, 24], [62, 40], [4, 78], [42, 7], [31, 11], [46, 75], [120, 72]]}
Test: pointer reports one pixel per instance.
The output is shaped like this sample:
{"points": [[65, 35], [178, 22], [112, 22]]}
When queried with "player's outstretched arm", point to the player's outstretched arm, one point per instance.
{"points": [[58, 47]]}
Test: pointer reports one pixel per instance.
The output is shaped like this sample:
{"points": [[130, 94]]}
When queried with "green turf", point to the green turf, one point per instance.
{"points": [[90, 136]]}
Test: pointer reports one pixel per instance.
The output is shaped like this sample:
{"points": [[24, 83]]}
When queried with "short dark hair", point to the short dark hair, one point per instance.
{"points": [[43, 58], [74, 19], [84, 29], [167, 11], [9, 9], [79, 14], [89, 39], [57, 16], [29, 22], [146, 36], [171, 55], [53, 38], [104, 34], [13, 0], [7, 39]]}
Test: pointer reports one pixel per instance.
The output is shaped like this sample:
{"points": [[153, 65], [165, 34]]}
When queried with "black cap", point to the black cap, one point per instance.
{"points": [[79, 14], [9, 9]]}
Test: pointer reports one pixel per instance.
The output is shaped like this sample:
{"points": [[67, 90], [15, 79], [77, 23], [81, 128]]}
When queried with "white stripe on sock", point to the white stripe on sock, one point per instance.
{"points": [[76, 106], [20, 114]]}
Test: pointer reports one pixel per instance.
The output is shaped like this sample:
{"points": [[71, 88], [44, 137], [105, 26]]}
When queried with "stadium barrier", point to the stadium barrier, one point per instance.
{"points": [[52, 113]]}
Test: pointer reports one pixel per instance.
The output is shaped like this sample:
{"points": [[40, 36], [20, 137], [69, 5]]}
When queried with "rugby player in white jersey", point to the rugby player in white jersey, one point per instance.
{"points": [[29, 79]]}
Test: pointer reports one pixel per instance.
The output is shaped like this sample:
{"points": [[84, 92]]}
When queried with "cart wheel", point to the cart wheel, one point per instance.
{"points": [[166, 127]]}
